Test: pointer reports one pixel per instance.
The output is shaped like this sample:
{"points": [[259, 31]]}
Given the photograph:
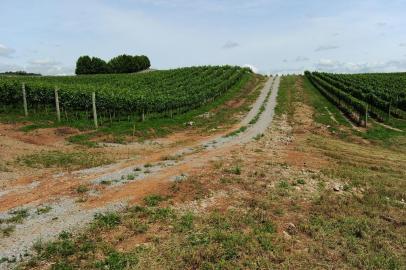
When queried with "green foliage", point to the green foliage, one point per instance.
{"points": [[108, 220], [379, 95], [163, 93], [153, 200], [82, 189], [52, 159], [117, 261], [120, 64], [128, 64], [351, 106]]}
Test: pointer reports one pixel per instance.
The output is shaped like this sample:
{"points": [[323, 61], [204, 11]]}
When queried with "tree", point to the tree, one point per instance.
{"points": [[146, 62], [120, 64], [99, 66], [84, 65]]}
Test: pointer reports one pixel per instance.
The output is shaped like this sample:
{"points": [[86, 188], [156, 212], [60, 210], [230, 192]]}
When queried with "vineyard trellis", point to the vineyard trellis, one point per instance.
{"points": [[380, 95], [122, 95]]}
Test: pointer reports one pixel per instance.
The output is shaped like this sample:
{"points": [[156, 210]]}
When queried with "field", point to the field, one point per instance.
{"points": [[118, 97], [380, 95], [249, 185]]}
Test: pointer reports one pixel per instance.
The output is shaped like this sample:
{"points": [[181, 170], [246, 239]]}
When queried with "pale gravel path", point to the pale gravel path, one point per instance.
{"points": [[258, 103], [66, 214]]}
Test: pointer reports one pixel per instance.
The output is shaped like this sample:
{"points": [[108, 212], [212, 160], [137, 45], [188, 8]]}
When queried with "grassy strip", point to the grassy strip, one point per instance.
{"points": [[59, 159]]}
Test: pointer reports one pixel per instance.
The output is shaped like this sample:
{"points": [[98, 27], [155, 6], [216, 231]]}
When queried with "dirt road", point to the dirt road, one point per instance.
{"points": [[128, 182]]}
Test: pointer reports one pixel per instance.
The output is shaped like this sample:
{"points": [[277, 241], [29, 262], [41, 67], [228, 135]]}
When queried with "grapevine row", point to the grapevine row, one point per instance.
{"points": [[176, 90], [352, 107]]}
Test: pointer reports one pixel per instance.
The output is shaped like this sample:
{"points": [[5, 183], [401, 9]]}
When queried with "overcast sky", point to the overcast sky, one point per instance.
{"points": [[47, 36]]}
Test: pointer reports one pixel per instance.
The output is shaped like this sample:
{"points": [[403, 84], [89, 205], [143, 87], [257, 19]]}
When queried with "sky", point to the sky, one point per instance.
{"points": [[271, 36]]}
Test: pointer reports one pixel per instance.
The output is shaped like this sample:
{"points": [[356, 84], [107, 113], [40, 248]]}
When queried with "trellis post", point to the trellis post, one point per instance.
{"points": [[94, 110], [58, 112], [366, 115], [25, 100]]}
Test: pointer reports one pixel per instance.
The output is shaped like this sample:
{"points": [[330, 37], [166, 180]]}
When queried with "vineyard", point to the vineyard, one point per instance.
{"points": [[161, 93], [359, 96]]}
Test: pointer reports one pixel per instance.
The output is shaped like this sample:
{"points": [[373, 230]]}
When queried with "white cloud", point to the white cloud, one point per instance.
{"points": [[301, 59], [252, 67], [43, 62], [9, 67], [381, 24], [42, 66], [402, 45], [230, 45], [5, 51], [211, 5], [327, 48], [363, 67]]}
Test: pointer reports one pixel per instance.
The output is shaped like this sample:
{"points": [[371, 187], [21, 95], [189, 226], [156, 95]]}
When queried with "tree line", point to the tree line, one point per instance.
{"points": [[120, 64], [19, 73]]}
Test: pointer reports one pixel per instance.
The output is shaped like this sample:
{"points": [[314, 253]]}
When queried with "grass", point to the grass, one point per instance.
{"points": [[234, 170], [43, 210], [59, 159], [15, 216], [83, 139], [7, 230], [153, 200], [236, 132], [82, 189], [107, 220]]}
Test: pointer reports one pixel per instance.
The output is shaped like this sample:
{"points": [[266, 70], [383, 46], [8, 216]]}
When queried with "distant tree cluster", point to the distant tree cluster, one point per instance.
{"points": [[120, 64], [19, 73]]}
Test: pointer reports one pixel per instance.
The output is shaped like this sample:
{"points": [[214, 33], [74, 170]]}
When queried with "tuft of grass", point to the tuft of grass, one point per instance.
{"points": [[107, 220], [83, 139], [153, 200], [43, 210], [82, 189], [235, 170], [117, 260], [236, 132], [17, 216], [185, 223], [7, 230], [259, 136], [171, 157], [283, 184], [301, 181]]}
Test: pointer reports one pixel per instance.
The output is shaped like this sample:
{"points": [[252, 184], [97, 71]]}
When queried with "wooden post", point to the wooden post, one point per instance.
{"points": [[25, 101], [94, 110], [366, 116], [58, 112], [390, 103], [143, 115]]}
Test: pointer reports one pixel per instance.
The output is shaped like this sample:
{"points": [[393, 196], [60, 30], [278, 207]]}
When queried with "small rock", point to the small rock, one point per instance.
{"points": [[291, 229], [286, 235], [337, 187], [191, 123]]}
